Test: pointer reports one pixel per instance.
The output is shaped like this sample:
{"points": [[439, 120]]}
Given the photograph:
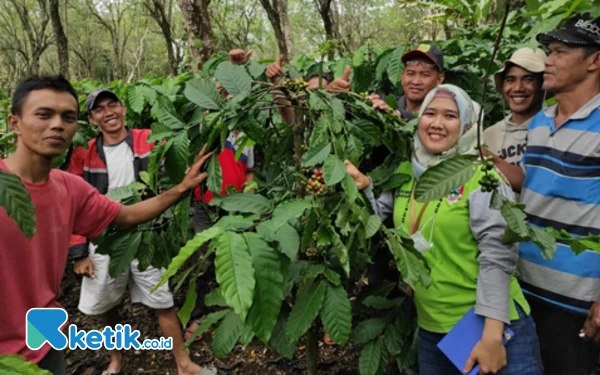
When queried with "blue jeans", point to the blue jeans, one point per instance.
{"points": [[522, 351]]}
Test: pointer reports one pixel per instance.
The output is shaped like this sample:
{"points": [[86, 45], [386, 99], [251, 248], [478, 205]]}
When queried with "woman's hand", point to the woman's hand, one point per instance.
{"points": [[489, 352], [359, 178]]}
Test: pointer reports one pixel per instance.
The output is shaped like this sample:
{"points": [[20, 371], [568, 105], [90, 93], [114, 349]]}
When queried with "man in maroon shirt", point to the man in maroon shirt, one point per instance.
{"points": [[44, 117]]}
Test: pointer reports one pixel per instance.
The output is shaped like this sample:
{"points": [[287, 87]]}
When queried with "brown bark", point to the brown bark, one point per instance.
{"points": [[62, 43], [276, 10], [330, 17], [162, 16], [36, 36], [199, 30]]}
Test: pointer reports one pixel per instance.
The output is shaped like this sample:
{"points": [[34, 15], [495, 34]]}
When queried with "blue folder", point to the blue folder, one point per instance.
{"points": [[460, 341]]}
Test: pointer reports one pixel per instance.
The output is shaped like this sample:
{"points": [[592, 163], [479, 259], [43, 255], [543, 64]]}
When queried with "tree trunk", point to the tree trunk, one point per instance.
{"points": [[274, 17], [162, 17], [62, 43], [199, 30], [282, 8]]}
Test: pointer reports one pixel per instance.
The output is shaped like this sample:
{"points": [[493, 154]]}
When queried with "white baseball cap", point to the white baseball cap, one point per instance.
{"points": [[526, 58]]}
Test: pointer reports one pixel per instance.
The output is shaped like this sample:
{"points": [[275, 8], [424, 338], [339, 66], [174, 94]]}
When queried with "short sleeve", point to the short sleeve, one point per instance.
{"points": [[93, 211]]}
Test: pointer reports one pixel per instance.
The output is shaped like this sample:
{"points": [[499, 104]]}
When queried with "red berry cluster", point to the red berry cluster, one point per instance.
{"points": [[316, 184]]}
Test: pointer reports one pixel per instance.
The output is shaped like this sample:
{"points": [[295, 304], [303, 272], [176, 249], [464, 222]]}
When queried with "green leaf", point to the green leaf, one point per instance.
{"points": [[235, 272], [146, 251], [316, 155], [206, 323], [15, 199], [166, 114], [215, 298], [289, 241], [439, 180], [177, 157], [268, 294], [234, 223], [316, 102], [340, 250], [334, 170], [395, 66], [256, 69], [515, 218], [370, 358], [354, 149], [339, 112], [204, 94], [122, 248], [186, 251], [332, 276], [393, 339], [368, 330], [497, 200], [182, 211], [149, 94], [227, 334], [396, 181], [412, 269], [246, 203], [135, 99], [544, 241], [279, 340], [247, 336], [308, 304], [366, 131], [291, 209], [267, 230], [309, 228], [190, 303], [381, 303], [336, 315], [215, 178], [234, 78], [12, 364], [372, 225], [349, 187]]}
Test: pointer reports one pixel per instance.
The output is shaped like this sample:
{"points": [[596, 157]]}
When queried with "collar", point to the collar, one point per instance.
{"points": [[511, 126], [581, 114]]}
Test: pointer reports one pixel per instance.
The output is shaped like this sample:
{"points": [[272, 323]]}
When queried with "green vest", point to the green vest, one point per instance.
{"points": [[452, 259]]}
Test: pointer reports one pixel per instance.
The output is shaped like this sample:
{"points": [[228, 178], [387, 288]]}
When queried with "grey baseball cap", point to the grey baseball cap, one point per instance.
{"points": [[91, 99]]}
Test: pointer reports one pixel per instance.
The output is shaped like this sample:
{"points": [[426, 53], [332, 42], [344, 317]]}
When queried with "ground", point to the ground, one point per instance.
{"points": [[255, 359]]}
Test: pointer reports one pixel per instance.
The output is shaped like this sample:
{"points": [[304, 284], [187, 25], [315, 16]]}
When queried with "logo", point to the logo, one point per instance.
{"points": [[455, 195], [424, 47], [588, 26], [43, 325]]}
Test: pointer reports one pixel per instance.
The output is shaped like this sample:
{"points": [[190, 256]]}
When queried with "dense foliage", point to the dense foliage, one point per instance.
{"points": [[294, 254]]}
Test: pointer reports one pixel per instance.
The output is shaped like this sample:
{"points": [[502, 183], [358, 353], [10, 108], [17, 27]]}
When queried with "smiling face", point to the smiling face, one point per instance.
{"points": [[522, 91], [418, 78], [108, 114], [439, 126], [46, 122]]}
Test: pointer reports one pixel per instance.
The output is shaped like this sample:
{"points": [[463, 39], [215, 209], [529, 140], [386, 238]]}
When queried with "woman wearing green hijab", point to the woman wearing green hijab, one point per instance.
{"points": [[461, 238]]}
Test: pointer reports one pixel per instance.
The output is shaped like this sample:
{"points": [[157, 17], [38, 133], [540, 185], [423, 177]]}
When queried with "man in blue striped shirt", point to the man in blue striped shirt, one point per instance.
{"points": [[560, 186]]}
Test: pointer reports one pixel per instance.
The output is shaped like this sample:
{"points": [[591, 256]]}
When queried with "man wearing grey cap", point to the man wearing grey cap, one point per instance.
{"points": [[114, 159], [520, 83], [559, 181]]}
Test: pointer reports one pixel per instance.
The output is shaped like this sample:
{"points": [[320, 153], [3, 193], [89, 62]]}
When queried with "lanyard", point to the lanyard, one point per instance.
{"points": [[414, 225]]}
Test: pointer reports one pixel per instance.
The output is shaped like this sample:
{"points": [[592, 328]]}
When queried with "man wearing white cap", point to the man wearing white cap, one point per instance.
{"points": [[520, 83]]}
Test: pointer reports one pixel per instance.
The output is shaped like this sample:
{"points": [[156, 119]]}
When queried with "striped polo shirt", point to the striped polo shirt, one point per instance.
{"points": [[562, 190]]}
